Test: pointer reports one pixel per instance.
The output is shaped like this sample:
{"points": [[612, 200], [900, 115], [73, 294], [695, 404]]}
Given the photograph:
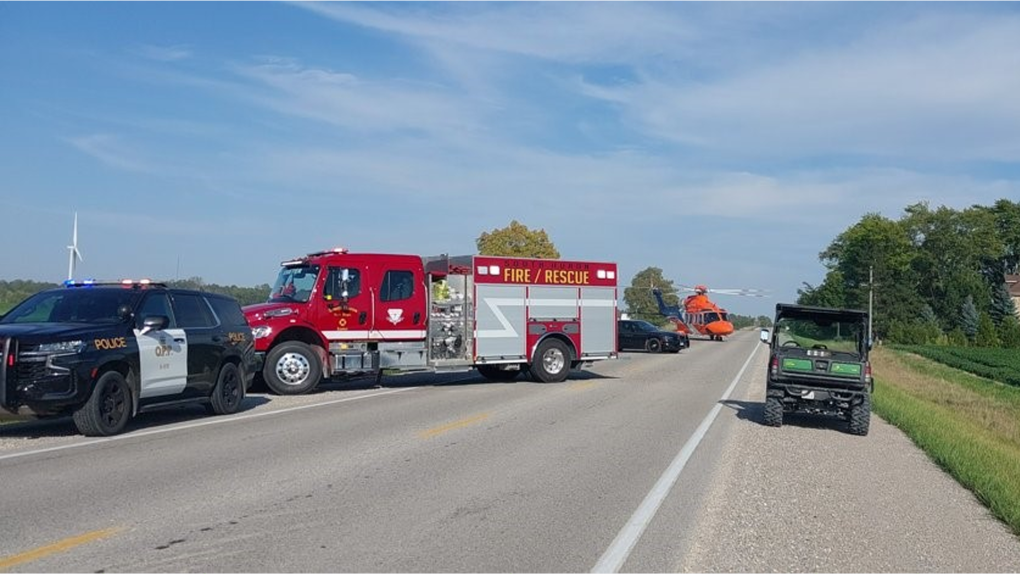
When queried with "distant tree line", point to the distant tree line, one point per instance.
{"points": [[939, 274], [14, 292]]}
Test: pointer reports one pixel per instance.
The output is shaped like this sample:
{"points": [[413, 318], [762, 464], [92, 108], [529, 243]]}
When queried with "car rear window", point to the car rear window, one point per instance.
{"points": [[228, 310], [192, 311]]}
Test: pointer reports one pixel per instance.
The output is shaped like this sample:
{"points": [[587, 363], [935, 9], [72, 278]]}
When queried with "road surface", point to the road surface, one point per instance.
{"points": [[647, 463]]}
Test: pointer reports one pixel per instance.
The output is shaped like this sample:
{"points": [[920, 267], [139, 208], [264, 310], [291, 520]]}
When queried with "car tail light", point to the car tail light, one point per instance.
{"points": [[775, 366], [867, 372]]}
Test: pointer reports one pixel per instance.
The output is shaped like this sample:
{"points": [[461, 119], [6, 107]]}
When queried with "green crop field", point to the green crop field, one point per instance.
{"points": [[1002, 365]]}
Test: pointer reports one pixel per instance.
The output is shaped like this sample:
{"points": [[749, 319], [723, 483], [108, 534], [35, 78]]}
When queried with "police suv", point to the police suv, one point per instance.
{"points": [[104, 352]]}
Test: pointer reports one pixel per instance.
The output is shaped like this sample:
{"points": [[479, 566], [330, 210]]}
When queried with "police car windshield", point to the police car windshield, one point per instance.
{"points": [[645, 326], [294, 284], [76, 305]]}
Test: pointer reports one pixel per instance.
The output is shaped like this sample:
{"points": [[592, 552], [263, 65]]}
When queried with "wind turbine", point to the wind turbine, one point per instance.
{"points": [[73, 250]]}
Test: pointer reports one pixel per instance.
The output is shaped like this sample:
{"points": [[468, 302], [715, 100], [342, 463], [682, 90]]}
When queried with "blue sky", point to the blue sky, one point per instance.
{"points": [[726, 143]]}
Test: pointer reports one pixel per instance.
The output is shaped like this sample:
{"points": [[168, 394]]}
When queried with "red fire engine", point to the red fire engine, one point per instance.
{"points": [[336, 313]]}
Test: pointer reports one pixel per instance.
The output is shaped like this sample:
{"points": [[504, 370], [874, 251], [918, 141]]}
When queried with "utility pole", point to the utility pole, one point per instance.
{"points": [[871, 303]]}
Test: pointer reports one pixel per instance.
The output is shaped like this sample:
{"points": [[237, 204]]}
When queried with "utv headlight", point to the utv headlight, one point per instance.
{"points": [[61, 347], [261, 332]]}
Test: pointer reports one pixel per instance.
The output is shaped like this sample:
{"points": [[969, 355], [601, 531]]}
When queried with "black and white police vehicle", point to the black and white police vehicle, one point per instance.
{"points": [[104, 352]]}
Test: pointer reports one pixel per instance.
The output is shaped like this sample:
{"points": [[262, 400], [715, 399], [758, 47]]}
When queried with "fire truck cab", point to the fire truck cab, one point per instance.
{"points": [[335, 313]]}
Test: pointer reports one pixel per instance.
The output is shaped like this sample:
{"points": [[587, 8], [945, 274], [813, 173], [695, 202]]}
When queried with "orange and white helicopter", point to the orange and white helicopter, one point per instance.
{"points": [[698, 313]]}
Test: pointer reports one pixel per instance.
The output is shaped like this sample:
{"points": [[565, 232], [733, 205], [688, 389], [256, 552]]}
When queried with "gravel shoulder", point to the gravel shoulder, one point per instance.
{"points": [[807, 497]]}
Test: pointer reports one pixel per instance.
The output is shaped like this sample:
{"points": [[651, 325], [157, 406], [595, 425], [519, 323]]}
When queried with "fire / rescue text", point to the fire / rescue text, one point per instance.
{"points": [[547, 276]]}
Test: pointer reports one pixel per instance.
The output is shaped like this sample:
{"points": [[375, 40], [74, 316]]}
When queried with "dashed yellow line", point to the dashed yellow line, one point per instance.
{"points": [[61, 546], [436, 431]]}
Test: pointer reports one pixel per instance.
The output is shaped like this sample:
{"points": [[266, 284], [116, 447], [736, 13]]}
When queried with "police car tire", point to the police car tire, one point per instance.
{"points": [[556, 350], [108, 409], [280, 387], [228, 394]]}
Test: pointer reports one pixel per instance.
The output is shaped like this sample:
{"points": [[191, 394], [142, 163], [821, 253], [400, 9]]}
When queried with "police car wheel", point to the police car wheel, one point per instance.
{"points": [[108, 409], [292, 368], [229, 391], [551, 362]]}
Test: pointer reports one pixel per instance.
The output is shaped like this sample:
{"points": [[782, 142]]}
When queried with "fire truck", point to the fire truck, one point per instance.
{"points": [[333, 314]]}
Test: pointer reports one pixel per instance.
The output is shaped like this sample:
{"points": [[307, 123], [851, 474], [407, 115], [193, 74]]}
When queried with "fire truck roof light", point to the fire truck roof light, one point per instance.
{"points": [[612, 274], [483, 270], [493, 269], [145, 282], [126, 282], [601, 273], [339, 250]]}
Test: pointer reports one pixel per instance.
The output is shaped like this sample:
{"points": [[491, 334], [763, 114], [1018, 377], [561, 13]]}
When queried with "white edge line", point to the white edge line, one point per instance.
{"points": [[616, 555], [215, 421]]}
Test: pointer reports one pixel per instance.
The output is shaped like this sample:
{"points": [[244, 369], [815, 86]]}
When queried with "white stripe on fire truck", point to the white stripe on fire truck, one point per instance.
{"points": [[508, 331], [354, 335]]}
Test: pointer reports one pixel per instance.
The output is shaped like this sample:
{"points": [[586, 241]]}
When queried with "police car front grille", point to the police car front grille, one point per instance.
{"points": [[29, 370]]}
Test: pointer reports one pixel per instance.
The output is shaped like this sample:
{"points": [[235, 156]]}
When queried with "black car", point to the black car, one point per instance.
{"points": [[647, 337], [105, 352]]}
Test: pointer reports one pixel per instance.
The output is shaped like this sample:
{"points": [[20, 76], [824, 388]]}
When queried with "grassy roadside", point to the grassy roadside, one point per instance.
{"points": [[968, 425]]}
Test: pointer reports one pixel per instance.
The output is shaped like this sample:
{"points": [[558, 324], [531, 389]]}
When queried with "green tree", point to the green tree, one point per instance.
{"points": [[764, 321], [1007, 222], [641, 303], [516, 240], [1002, 304], [969, 318], [958, 253], [16, 291], [830, 293], [956, 338], [878, 243], [986, 335], [1009, 333]]}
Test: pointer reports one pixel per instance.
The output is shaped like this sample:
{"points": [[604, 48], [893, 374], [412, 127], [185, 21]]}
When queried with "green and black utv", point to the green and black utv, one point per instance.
{"points": [[818, 364]]}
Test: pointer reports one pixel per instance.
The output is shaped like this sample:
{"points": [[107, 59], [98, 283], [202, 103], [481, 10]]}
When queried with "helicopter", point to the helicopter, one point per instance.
{"points": [[699, 313]]}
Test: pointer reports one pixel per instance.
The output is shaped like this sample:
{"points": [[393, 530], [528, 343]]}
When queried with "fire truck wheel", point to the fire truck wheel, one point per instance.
{"points": [[292, 368], [551, 362], [494, 373]]}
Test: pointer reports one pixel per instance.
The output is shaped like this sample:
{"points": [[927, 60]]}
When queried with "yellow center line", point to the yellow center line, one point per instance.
{"points": [[581, 385], [436, 431], [63, 545]]}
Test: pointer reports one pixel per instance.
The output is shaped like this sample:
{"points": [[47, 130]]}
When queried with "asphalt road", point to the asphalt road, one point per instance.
{"points": [[452, 473]]}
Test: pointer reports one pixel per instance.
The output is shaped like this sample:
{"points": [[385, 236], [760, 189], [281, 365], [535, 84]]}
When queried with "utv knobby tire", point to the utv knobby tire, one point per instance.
{"points": [[551, 362], [653, 345], [228, 394], [860, 416], [773, 412], [108, 409], [494, 373], [292, 368]]}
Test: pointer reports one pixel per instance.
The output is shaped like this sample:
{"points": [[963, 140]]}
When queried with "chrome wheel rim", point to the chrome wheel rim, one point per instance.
{"points": [[553, 361], [293, 368]]}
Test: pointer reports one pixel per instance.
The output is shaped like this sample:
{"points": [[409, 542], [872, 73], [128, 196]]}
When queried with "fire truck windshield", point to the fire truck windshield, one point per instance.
{"points": [[294, 284]]}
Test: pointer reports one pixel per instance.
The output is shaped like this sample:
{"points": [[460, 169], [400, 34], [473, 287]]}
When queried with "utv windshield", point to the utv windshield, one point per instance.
{"points": [[294, 284], [76, 305], [844, 336]]}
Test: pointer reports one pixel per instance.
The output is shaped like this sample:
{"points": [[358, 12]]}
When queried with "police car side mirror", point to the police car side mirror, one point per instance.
{"points": [[154, 323], [764, 335]]}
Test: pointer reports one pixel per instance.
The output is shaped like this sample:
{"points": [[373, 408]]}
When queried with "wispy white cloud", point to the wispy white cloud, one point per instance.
{"points": [[937, 88], [165, 53], [111, 151], [614, 32]]}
